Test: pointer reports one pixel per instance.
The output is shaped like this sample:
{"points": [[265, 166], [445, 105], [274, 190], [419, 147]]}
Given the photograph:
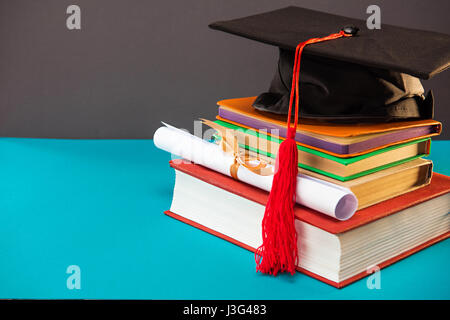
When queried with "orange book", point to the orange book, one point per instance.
{"points": [[341, 140]]}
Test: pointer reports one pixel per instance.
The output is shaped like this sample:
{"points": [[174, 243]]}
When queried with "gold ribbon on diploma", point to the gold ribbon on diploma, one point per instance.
{"points": [[229, 144]]}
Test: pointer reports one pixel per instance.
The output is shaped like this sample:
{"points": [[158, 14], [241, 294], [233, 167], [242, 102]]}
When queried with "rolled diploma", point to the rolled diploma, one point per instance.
{"points": [[330, 199]]}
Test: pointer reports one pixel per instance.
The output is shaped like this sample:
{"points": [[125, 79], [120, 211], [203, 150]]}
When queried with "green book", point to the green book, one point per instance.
{"points": [[343, 169]]}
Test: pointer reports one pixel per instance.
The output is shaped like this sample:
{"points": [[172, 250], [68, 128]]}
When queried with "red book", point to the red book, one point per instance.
{"points": [[336, 252]]}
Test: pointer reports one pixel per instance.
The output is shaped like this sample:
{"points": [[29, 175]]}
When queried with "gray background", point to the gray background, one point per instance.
{"points": [[135, 63]]}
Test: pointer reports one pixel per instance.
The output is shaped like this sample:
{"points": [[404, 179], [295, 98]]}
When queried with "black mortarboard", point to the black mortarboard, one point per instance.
{"points": [[371, 76]]}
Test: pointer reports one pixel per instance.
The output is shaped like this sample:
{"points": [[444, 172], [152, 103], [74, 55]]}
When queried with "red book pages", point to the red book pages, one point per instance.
{"points": [[440, 185], [309, 273]]}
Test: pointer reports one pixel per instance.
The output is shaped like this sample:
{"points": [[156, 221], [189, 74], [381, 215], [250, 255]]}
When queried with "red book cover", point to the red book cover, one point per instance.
{"points": [[440, 185]]}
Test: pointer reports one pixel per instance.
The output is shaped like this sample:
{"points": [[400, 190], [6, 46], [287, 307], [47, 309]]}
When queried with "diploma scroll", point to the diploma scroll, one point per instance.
{"points": [[325, 197]]}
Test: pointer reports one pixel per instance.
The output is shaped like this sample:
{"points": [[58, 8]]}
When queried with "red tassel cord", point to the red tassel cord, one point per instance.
{"points": [[278, 252]]}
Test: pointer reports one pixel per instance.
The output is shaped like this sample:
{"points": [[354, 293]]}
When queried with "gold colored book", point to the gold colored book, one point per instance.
{"points": [[385, 184]]}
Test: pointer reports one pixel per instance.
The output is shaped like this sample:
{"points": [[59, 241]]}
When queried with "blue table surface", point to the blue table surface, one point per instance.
{"points": [[99, 204]]}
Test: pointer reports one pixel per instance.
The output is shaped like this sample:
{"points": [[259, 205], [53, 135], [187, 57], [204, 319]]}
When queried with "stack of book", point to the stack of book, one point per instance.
{"points": [[402, 206], [375, 161]]}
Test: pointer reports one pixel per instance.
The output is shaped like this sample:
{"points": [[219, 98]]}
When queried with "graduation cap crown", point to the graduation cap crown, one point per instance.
{"points": [[372, 77]]}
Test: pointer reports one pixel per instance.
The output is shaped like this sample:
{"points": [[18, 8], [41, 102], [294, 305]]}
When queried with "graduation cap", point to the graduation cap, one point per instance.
{"points": [[331, 67], [372, 76]]}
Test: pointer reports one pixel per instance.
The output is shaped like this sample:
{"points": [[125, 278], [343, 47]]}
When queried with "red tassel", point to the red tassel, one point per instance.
{"points": [[279, 253]]}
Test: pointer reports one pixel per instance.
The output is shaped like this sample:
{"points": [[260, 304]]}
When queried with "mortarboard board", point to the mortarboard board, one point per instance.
{"points": [[373, 76]]}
